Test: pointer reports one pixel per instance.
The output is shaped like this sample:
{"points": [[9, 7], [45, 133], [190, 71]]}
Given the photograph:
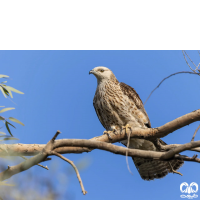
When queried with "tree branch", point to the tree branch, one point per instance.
{"points": [[37, 164], [103, 142], [61, 147], [75, 168], [122, 150], [195, 133], [186, 158], [182, 72], [172, 146], [42, 156], [180, 149], [29, 162]]}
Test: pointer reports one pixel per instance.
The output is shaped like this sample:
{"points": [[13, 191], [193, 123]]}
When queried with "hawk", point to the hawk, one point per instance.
{"points": [[117, 105]]}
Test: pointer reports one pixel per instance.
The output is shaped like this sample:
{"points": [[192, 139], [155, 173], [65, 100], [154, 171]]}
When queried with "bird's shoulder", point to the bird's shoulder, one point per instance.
{"points": [[133, 96]]}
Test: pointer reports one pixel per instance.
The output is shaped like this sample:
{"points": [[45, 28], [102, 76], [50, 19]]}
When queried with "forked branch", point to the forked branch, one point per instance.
{"points": [[28, 163]]}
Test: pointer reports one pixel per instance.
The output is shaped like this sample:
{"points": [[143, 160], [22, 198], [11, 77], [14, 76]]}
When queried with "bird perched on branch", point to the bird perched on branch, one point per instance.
{"points": [[118, 106]]}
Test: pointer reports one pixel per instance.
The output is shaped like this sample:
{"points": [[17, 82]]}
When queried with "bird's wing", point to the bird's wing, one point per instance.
{"points": [[98, 112], [133, 96]]}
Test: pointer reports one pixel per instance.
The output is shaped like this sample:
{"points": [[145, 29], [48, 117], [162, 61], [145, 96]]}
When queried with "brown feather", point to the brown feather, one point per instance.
{"points": [[116, 105], [133, 95]]}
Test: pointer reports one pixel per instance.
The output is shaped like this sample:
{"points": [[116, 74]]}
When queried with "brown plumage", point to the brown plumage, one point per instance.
{"points": [[116, 105]]}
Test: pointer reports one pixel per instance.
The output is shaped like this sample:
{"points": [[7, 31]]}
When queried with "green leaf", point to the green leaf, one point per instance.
{"points": [[6, 109], [11, 124], [3, 92], [14, 90], [10, 138], [2, 118], [10, 93], [3, 76], [3, 133], [4, 82], [8, 129], [5, 89], [15, 120]]}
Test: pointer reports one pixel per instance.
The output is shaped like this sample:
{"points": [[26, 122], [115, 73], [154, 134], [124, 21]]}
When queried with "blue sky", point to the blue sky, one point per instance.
{"points": [[59, 94]]}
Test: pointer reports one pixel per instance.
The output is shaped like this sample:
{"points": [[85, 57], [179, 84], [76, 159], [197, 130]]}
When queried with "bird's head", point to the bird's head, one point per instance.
{"points": [[102, 73]]}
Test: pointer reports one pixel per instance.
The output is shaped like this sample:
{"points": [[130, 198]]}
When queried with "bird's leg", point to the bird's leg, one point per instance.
{"points": [[126, 128]]}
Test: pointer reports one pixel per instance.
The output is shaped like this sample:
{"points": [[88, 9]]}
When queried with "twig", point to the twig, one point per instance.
{"points": [[182, 72], [174, 171], [75, 168], [196, 67], [186, 158], [37, 164], [195, 133]]}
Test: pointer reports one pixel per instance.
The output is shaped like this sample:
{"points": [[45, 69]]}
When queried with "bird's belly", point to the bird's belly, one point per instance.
{"points": [[111, 116]]}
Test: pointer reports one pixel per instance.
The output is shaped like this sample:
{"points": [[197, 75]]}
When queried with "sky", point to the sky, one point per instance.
{"points": [[58, 95]]}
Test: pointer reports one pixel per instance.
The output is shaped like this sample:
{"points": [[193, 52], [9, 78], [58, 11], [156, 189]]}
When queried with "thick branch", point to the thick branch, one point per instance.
{"points": [[150, 133], [78, 146], [48, 150]]}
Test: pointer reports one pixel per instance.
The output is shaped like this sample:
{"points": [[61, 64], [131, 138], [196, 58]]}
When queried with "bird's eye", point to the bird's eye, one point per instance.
{"points": [[101, 70]]}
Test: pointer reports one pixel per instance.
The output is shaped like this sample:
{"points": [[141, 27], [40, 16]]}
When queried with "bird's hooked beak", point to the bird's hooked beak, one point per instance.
{"points": [[91, 71]]}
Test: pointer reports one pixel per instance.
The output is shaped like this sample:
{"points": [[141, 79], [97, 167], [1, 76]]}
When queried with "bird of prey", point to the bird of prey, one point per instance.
{"points": [[117, 105]]}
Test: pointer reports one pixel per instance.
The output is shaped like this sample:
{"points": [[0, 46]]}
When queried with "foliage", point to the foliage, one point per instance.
{"points": [[7, 92]]}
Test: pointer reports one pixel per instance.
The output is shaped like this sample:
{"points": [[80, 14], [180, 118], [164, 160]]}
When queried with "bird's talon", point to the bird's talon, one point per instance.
{"points": [[126, 128], [107, 133], [115, 131]]}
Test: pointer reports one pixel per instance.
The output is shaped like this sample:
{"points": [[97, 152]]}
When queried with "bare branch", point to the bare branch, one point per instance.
{"points": [[37, 164], [186, 158], [174, 171], [196, 67], [67, 145], [195, 133], [182, 72], [29, 162], [172, 146], [180, 149], [75, 168], [94, 144]]}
